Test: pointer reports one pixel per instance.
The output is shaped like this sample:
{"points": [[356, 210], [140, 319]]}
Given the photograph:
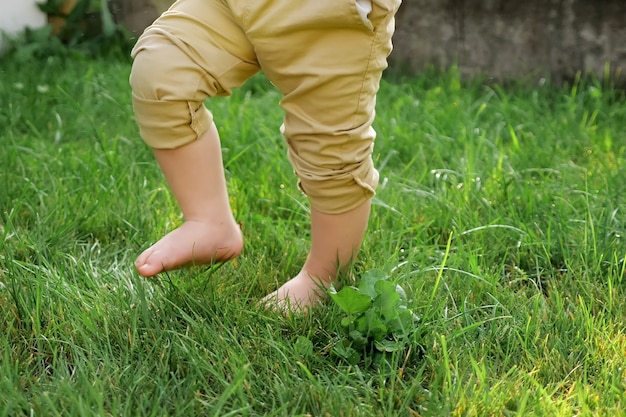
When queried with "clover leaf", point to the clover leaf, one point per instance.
{"points": [[369, 280], [388, 300], [351, 300]]}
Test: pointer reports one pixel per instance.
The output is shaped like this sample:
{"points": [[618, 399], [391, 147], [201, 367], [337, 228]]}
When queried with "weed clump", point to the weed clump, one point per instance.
{"points": [[377, 319]]}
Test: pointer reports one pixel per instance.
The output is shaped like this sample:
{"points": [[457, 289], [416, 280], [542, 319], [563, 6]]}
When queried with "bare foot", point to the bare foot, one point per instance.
{"points": [[193, 243], [298, 294]]}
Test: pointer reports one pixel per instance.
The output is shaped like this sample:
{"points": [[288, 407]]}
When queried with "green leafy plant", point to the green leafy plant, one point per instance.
{"points": [[85, 26], [51, 7], [73, 20], [377, 319], [33, 44]]}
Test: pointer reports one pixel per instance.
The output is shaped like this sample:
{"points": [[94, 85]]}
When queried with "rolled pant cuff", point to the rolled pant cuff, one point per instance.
{"points": [[340, 191], [160, 130]]}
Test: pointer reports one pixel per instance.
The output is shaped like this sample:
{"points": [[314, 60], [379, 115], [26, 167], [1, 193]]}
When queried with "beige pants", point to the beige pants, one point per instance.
{"points": [[323, 55]]}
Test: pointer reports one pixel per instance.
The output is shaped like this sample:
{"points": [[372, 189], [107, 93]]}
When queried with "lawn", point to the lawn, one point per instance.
{"points": [[501, 213]]}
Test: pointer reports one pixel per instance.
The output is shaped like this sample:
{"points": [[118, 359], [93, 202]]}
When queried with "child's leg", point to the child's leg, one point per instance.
{"points": [[327, 58], [194, 51], [209, 234], [335, 242]]}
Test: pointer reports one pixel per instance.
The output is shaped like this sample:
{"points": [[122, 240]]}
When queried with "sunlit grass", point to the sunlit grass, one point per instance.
{"points": [[501, 211]]}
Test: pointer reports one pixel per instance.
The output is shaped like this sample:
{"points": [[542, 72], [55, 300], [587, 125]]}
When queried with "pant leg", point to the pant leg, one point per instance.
{"points": [[195, 50], [327, 61]]}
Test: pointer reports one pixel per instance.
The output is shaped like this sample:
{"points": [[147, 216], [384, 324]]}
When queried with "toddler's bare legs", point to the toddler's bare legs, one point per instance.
{"points": [[335, 242], [209, 232]]}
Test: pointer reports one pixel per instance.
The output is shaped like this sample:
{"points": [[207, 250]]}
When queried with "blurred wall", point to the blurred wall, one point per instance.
{"points": [[531, 38], [503, 38], [136, 15]]}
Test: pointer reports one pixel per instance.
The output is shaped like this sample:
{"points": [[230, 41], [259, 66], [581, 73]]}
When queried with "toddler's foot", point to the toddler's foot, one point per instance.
{"points": [[193, 243], [297, 295]]}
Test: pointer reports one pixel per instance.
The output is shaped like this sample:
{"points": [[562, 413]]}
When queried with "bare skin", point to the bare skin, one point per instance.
{"points": [[210, 233], [335, 242]]}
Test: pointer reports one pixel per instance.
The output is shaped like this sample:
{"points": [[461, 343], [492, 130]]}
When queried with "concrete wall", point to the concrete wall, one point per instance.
{"points": [[136, 15], [531, 38]]}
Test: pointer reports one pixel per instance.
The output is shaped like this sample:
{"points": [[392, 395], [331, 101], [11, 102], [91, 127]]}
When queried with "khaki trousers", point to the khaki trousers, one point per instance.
{"points": [[322, 55]]}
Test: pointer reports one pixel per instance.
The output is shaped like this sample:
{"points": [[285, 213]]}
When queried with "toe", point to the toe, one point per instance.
{"points": [[147, 265], [148, 270]]}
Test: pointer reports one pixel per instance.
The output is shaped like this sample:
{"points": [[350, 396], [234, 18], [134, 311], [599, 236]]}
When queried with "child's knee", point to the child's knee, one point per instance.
{"points": [[166, 100]]}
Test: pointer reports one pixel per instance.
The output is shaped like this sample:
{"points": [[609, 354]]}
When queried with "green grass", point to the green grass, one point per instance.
{"points": [[501, 211]]}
